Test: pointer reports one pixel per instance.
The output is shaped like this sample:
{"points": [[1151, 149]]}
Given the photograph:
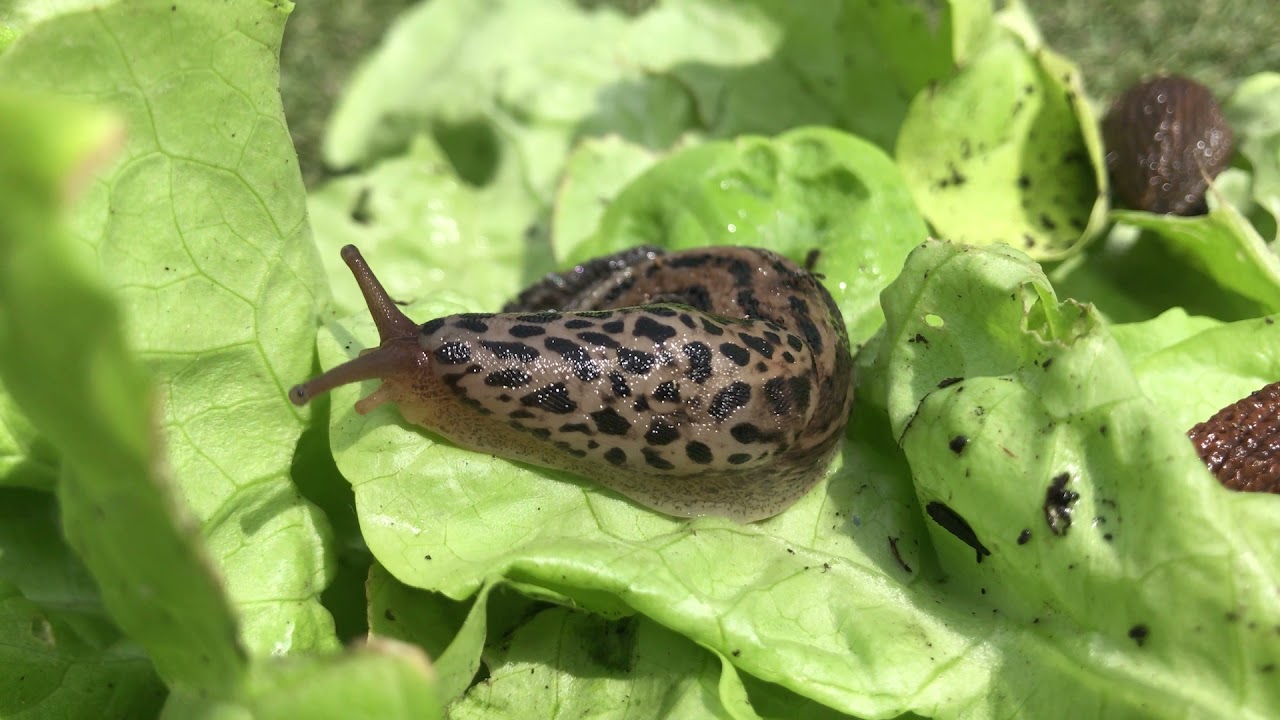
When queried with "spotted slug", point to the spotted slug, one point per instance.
{"points": [[1166, 138], [1241, 443], [706, 382]]}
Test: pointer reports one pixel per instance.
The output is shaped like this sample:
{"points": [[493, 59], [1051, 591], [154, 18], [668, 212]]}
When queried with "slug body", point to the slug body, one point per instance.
{"points": [[706, 382], [1166, 139], [1241, 443]]}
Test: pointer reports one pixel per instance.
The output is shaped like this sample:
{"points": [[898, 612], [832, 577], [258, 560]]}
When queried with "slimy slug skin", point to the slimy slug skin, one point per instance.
{"points": [[715, 381]]}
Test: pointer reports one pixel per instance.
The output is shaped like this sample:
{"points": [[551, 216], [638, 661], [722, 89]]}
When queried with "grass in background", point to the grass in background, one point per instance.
{"points": [[1218, 42]]}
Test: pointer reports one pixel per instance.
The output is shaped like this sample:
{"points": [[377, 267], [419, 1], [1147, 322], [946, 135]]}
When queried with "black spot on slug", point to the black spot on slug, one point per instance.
{"points": [[775, 392], [736, 353], [599, 340], [636, 362], [654, 459], [584, 367], [699, 355], [510, 378], [454, 352], [431, 327], [661, 432], [578, 324], [542, 317], [738, 458], [745, 433], [609, 422], [951, 521], [619, 385], [524, 331], [810, 331], [760, 345], [647, 327], [613, 326], [698, 452], [473, 322], [667, 391], [748, 303], [729, 399], [511, 350], [551, 398], [800, 389], [616, 456], [711, 328]]}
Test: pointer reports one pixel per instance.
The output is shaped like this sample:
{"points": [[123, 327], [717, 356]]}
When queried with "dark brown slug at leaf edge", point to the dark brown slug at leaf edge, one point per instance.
{"points": [[1166, 138], [1241, 442]]}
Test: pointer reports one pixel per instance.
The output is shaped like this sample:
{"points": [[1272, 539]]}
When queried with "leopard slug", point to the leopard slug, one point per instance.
{"points": [[715, 381], [1241, 443], [1166, 138]]}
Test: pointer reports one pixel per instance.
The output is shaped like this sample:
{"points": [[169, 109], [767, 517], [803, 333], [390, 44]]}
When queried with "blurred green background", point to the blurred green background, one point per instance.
{"points": [[1217, 42]]}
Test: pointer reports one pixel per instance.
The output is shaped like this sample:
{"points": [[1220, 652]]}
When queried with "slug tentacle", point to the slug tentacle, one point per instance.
{"points": [[397, 356], [705, 382], [386, 314]]}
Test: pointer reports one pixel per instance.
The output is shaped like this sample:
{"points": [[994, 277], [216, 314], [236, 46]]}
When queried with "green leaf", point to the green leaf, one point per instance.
{"points": [[1131, 276], [1223, 245], [1147, 590], [63, 355], [678, 69], [445, 629], [18, 15], [850, 65], [447, 519], [437, 73], [1253, 111], [60, 655], [594, 174], [810, 189], [26, 459], [569, 664], [1192, 367], [382, 679], [1007, 151], [424, 229], [200, 229]]}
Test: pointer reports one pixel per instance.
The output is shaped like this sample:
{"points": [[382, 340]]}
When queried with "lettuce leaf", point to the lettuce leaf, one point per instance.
{"points": [[1008, 150], [66, 362], [200, 230], [933, 573], [1100, 537]]}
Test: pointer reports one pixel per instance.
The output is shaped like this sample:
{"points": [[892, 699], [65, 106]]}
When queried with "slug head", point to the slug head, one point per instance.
{"points": [[399, 358]]}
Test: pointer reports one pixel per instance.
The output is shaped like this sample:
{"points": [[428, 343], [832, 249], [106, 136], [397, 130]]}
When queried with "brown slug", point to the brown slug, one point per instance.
{"points": [[705, 382], [1166, 138], [1241, 442]]}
